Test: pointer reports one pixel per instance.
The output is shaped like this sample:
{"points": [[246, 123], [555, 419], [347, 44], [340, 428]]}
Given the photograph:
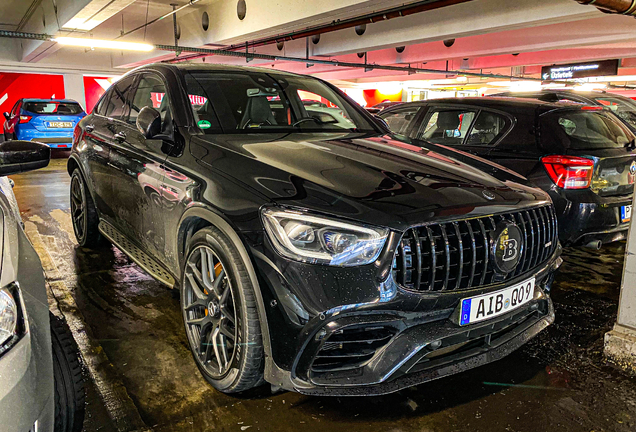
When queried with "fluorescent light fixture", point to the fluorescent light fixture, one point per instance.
{"points": [[98, 43], [462, 78]]}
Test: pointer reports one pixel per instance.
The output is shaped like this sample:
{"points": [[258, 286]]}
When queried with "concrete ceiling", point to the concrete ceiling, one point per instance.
{"points": [[487, 33]]}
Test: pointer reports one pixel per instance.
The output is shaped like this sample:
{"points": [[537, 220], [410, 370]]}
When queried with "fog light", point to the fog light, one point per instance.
{"points": [[8, 316]]}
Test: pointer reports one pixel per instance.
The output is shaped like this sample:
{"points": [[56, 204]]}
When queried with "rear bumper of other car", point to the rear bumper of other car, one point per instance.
{"points": [[52, 138], [26, 369], [585, 216]]}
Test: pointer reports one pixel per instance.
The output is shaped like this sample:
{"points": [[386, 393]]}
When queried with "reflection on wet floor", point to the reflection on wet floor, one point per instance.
{"points": [[558, 381]]}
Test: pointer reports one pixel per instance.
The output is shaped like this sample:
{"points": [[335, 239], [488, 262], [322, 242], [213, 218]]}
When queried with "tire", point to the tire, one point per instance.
{"points": [[241, 368], [83, 213], [68, 378]]}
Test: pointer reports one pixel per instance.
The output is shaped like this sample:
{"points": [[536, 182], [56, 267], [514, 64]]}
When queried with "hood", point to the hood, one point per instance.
{"points": [[370, 179]]}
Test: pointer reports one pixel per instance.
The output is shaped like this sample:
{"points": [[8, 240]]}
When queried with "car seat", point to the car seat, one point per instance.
{"points": [[257, 112]]}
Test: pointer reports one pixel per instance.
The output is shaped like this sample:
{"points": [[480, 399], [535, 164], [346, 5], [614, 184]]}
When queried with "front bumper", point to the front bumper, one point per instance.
{"points": [[413, 337]]}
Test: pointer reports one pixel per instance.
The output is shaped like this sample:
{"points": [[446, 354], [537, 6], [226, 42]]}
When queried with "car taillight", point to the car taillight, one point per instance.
{"points": [[569, 172], [25, 119], [592, 108]]}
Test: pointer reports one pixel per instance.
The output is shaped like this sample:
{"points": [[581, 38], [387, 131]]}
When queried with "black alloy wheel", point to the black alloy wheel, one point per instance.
{"points": [[209, 311], [220, 313], [83, 213], [78, 208]]}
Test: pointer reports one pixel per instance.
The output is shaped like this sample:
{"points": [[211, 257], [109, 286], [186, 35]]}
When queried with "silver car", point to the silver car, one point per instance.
{"points": [[41, 384]]}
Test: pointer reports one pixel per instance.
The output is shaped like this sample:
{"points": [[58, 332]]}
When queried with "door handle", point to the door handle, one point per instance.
{"points": [[89, 128], [120, 137]]}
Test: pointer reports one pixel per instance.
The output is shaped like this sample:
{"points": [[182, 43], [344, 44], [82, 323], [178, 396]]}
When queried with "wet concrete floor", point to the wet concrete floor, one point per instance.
{"points": [[558, 381]]}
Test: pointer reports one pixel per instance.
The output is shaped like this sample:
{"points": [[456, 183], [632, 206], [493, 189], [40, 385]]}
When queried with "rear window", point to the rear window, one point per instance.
{"points": [[59, 108], [584, 130], [624, 108]]}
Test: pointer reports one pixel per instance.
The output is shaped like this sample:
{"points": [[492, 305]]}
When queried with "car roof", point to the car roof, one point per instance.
{"points": [[495, 102], [48, 100], [213, 68]]}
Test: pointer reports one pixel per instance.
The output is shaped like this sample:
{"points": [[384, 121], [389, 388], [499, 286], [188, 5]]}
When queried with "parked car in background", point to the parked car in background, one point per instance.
{"points": [[41, 385], [49, 121], [381, 106], [622, 106], [583, 156], [326, 258]]}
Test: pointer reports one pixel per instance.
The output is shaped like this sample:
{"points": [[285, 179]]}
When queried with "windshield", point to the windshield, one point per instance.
{"points": [[59, 108], [584, 130], [624, 108], [244, 102]]}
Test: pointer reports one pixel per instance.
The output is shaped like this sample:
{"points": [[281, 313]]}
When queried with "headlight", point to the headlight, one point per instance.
{"points": [[319, 240], [8, 318]]}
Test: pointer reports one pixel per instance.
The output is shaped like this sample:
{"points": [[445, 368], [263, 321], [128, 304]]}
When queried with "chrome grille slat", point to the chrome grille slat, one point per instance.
{"points": [[434, 257]]}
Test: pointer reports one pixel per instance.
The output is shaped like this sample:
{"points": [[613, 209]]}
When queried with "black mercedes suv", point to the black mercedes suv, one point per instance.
{"points": [[312, 249]]}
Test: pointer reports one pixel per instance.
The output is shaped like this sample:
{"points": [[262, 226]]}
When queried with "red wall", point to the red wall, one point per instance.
{"points": [[94, 88], [14, 86], [374, 97]]}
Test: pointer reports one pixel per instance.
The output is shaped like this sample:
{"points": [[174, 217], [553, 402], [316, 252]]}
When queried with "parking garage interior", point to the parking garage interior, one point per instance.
{"points": [[420, 116]]}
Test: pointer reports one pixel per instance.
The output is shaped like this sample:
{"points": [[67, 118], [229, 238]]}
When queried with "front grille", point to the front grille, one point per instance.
{"points": [[456, 255], [351, 347]]}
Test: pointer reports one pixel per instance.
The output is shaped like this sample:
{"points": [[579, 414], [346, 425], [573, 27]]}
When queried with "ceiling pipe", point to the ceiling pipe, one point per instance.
{"points": [[624, 7], [384, 15], [242, 54]]}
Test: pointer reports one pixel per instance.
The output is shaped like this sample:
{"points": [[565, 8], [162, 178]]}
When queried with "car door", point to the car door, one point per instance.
{"points": [[140, 191], [100, 130], [517, 146]]}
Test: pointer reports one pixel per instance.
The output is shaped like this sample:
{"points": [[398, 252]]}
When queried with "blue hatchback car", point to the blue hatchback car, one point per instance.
{"points": [[49, 121]]}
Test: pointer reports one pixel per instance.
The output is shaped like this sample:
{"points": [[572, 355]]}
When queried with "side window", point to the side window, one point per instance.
{"points": [[100, 107], [487, 128], [446, 126], [399, 120], [151, 92], [117, 104]]}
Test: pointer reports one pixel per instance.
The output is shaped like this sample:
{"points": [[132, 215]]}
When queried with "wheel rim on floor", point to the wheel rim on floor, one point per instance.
{"points": [[78, 208], [209, 311]]}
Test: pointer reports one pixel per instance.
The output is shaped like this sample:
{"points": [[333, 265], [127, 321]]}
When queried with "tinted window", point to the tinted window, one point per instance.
{"points": [[399, 120], [487, 129], [582, 130], [259, 102], [117, 104], [624, 108], [151, 92], [100, 108], [60, 108], [446, 126]]}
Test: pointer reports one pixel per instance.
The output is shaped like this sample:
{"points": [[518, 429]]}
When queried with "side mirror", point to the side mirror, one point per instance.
{"points": [[7, 115], [20, 156], [382, 122], [149, 122]]}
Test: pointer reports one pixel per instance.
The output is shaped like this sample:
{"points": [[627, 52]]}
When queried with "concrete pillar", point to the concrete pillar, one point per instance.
{"points": [[74, 88], [620, 342]]}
